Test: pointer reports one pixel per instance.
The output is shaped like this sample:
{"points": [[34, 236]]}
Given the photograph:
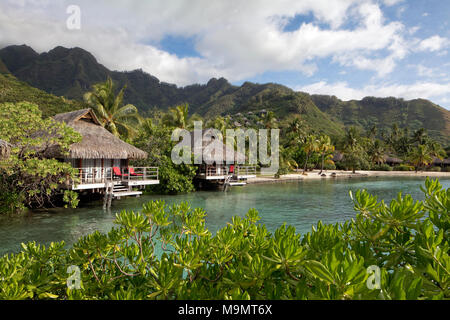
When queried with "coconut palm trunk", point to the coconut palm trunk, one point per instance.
{"points": [[306, 163], [323, 163]]}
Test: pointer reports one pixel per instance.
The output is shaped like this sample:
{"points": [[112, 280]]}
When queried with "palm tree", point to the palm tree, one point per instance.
{"points": [[419, 136], [109, 108], [376, 152], [325, 149], [436, 150], [352, 149], [372, 132], [310, 146], [270, 122], [178, 117], [147, 126], [351, 139], [420, 156], [219, 123], [296, 131]]}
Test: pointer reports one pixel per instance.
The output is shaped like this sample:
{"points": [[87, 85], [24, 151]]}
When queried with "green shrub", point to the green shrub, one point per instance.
{"points": [[406, 240], [382, 167], [27, 175], [404, 167], [329, 166], [435, 169]]}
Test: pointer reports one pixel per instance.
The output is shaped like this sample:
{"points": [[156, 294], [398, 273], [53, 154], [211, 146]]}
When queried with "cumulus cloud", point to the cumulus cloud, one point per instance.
{"points": [[390, 3], [427, 90], [434, 43], [234, 39]]}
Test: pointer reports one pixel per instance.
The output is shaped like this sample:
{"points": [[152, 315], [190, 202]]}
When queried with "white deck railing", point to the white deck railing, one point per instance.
{"points": [[246, 171], [222, 170], [103, 175]]}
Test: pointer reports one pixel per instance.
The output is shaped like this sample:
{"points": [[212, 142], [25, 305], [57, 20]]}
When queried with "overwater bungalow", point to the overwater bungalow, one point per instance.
{"points": [[102, 160], [224, 169]]}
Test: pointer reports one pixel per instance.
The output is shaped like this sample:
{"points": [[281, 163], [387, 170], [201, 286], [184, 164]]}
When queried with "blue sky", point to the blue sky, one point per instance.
{"points": [[347, 48]]}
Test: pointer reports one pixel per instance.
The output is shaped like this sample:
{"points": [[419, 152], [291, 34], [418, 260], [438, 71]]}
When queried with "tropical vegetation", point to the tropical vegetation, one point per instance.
{"points": [[72, 72], [394, 251], [117, 118], [301, 145], [29, 178]]}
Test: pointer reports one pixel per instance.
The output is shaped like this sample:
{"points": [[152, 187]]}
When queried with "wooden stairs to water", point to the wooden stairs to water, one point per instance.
{"points": [[232, 181], [120, 190], [117, 191]]}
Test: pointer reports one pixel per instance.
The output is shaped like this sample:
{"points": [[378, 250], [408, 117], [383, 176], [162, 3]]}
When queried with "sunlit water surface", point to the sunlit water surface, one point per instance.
{"points": [[301, 204]]}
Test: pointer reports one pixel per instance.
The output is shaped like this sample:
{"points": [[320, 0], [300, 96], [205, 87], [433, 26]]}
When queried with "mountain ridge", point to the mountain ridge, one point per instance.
{"points": [[70, 72]]}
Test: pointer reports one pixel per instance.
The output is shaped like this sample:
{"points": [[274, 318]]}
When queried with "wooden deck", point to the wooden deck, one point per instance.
{"points": [[220, 173], [97, 178]]}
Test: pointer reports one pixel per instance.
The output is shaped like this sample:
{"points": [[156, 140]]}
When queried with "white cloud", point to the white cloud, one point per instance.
{"points": [[413, 30], [434, 43], [236, 39], [426, 90], [425, 71], [392, 2]]}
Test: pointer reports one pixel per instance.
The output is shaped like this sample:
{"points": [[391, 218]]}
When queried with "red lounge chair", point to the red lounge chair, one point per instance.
{"points": [[134, 174], [118, 173], [231, 169]]}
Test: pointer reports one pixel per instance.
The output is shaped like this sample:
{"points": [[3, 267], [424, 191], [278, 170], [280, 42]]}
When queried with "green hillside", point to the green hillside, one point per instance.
{"points": [[283, 101], [3, 68], [12, 90], [384, 112], [72, 72]]}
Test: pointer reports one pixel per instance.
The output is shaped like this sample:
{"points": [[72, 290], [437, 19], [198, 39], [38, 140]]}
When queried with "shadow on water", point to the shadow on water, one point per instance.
{"points": [[301, 204]]}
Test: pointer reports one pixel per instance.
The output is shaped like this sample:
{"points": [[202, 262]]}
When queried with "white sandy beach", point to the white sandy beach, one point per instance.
{"points": [[335, 174]]}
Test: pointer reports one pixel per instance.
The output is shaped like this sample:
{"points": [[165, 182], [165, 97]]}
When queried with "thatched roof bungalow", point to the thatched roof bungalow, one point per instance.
{"points": [[338, 156], [392, 160], [208, 137], [441, 163], [97, 143], [101, 156], [217, 166]]}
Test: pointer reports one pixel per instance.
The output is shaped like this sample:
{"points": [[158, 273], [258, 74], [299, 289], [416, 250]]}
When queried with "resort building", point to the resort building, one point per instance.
{"points": [[102, 159], [444, 163], [392, 160], [225, 169]]}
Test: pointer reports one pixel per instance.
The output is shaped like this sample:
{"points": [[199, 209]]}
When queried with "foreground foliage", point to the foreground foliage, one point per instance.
{"points": [[29, 178], [167, 253]]}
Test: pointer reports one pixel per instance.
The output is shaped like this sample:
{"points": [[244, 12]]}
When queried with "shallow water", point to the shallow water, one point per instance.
{"points": [[301, 204]]}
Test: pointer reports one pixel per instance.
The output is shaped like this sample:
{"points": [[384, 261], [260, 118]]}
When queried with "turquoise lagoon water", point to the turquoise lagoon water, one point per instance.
{"points": [[301, 204]]}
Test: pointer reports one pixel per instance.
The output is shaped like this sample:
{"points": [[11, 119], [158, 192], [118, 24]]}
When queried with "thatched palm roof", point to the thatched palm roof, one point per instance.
{"points": [[228, 152], [437, 161], [5, 149], [97, 143], [392, 159], [338, 156]]}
